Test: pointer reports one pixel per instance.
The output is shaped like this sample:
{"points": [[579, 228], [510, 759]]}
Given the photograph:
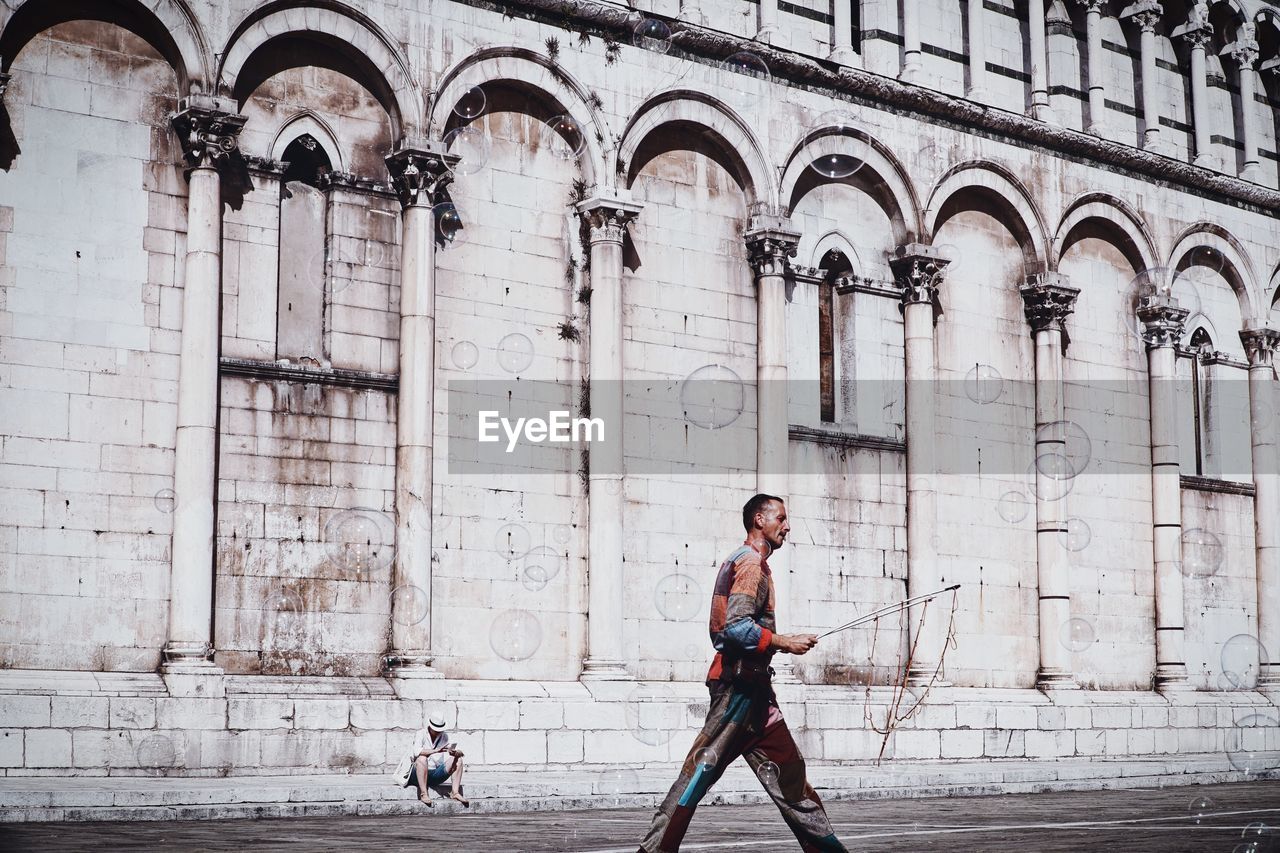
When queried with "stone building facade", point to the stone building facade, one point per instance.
{"points": [[987, 290]]}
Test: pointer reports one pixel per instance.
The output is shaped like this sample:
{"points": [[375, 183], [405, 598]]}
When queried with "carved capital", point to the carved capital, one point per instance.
{"points": [[420, 171], [1145, 13], [1197, 38], [1244, 50], [1099, 6], [208, 129], [607, 217], [1260, 346], [770, 250], [918, 271], [1047, 300], [1162, 320]]}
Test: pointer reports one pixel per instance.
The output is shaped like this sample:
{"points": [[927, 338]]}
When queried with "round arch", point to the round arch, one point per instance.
{"points": [[731, 138], [1237, 269], [529, 71], [836, 239], [993, 188], [1197, 322], [350, 42], [1105, 216], [167, 25], [881, 176], [309, 123]]}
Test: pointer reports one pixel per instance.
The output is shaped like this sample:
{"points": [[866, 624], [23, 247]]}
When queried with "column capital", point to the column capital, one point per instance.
{"points": [[1162, 320], [1260, 345], [1244, 50], [1197, 30], [1048, 299], [1145, 13], [608, 215], [771, 243], [208, 128], [419, 169], [918, 270], [1098, 6]]}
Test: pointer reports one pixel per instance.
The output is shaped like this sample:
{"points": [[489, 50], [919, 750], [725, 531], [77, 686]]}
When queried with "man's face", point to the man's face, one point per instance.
{"points": [[773, 524]]}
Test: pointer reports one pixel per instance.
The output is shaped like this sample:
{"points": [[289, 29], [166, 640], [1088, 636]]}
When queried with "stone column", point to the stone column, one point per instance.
{"points": [[1146, 14], [1097, 88], [767, 31], [843, 50], [911, 66], [1198, 33], [607, 217], [207, 128], [1245, 53], [977, 90], [1162, 322], [419, 169], [918, 271], [770, 244], [1040, 108], [1047, 300], [1260, 345]]}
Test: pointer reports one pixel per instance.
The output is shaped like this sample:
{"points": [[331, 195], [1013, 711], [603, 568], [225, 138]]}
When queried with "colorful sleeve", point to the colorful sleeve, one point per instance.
{"points": [[741, 629]]}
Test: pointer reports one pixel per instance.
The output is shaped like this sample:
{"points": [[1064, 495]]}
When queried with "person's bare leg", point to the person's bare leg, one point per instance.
{"points": [[420, 768], [457, 783]]}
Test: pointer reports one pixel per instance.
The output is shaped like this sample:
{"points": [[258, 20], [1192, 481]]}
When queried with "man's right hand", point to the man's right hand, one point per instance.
{"points": [[794, 644]]}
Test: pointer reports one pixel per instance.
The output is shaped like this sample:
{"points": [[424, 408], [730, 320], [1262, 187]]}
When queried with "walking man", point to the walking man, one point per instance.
{"points": [[743, 718]]}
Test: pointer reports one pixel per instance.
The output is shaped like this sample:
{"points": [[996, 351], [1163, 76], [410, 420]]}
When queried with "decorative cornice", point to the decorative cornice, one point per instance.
{"points": [[607, 217], [208, 129], [918, 271], [1212, 484], [844, 439], [1162, 320], [274, 371], [1260, 346], [1047, 300], [420, 170]]}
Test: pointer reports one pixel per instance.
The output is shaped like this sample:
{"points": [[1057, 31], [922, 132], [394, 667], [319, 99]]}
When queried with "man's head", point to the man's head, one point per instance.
{"points": [[767, 514]]}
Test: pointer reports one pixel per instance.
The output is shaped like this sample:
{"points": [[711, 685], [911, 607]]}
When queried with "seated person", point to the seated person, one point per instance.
{"points": [[432, 761]]}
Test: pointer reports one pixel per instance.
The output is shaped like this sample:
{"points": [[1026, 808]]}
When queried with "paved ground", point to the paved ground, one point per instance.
{"points": [[1133, 821]]}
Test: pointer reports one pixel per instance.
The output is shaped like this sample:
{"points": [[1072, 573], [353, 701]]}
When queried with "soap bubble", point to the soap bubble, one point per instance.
{"points": [[1202, 553], [1200, 808], [409, 605], [515, 635], [1243, 658], [465, 354], [1077, 535], [654, 714], [471, 104], [360, 540], [165, 500], [449, 225], [1077, 634], [830, 151], [1013, 506], [1258, 832], [678, 598], [983, 384], [767, 773], [747, 63], [1248, 752], [286, 601], [564, 137], [472, 145], [712, 397], [534, 578], [562, 534], [706, 758], [544, 562], [617, 780], [156, 752], [652, 34], [1048, 487], [515, 353], [1063, 449], [512, 541]]}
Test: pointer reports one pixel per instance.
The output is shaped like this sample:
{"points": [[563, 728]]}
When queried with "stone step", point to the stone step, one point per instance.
{"points": [[85, 798]]}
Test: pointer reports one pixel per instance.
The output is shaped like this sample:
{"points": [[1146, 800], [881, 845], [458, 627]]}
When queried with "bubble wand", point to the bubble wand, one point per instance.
{"points": [[905, 604]]}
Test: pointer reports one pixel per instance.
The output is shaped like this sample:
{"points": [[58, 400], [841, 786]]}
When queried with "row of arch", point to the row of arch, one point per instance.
{"points": [[357, 46]]}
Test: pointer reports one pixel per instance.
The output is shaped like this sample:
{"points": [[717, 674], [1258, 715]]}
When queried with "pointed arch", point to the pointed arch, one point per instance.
{"points": [[345, 40], [1103, 215], [740, 152], [1237, 268], [309, 123], [836, 239], [881, 176], [983, 185], [534, 73], [167, 25]]}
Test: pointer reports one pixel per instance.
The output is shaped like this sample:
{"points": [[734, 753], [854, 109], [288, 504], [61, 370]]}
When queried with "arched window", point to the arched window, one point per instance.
{"points": [[303, 226], [835, 264], [1199, 348]]}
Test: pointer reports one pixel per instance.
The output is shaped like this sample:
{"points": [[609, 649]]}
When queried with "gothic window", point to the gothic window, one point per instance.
{"points": [[1193, 377], [834, 265], [303, 226]]}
